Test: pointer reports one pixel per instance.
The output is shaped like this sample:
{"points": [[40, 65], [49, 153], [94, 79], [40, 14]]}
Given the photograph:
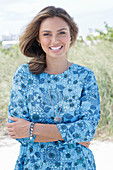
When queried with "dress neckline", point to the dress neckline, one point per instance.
{"points": [[60, 73]]}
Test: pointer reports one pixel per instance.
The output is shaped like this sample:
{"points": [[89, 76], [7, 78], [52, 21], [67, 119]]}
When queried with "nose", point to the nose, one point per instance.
{"points": [[54, 39]]}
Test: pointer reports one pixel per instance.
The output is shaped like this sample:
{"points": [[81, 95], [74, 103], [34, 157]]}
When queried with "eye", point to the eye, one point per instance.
{"points": [[46, 34], [62, 33]]}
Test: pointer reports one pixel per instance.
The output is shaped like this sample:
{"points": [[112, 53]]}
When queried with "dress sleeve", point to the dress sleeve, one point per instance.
{"points": [[85, 127], [18, 99]]}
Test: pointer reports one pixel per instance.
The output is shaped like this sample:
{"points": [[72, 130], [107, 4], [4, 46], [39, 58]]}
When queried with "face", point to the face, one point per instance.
{"points": [[54, 37]]}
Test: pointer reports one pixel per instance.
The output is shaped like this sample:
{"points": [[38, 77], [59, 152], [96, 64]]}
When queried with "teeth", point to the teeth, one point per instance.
{"points": [[55, 48]]}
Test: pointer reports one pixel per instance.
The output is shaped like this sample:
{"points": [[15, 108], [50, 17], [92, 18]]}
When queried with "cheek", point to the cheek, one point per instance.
{"points": [[44, 43], [66, 40]]}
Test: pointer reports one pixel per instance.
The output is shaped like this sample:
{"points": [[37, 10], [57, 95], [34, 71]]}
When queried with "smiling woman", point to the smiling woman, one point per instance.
{"points": [[54, 105], [40, 28], [55, 39]]}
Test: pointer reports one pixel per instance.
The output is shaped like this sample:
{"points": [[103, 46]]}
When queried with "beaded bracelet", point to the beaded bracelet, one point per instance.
{"points": [[31, 126]]}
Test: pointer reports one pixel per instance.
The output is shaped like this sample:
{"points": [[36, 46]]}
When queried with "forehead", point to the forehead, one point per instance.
{"points": [[54, 23]]}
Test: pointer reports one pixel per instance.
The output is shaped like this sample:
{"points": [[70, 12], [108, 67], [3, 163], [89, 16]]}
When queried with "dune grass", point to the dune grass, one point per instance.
{"points": [[9, 61], [98, 57]]}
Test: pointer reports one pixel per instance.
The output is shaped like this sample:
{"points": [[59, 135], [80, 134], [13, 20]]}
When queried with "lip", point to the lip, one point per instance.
{"points": [[55, 48]]}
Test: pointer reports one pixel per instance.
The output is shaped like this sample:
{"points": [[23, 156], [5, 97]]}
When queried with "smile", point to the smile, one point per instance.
{"points": [[56, 48]]}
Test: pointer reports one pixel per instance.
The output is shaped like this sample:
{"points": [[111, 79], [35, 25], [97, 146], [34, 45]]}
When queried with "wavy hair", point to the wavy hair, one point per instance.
{"points": [[28, 43]]}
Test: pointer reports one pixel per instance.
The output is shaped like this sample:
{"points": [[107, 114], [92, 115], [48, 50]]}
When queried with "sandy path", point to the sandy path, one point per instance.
{"points": [[103, 152]]}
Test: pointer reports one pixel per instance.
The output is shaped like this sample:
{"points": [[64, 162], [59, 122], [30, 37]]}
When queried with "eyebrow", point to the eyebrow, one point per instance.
{"points": [[57, 30]]}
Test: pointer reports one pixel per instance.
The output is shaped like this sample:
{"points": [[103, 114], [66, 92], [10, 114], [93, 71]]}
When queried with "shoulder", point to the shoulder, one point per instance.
{"points": [[21, 73], [82, 69], [24, 75], [22, 69], [83, 73]]}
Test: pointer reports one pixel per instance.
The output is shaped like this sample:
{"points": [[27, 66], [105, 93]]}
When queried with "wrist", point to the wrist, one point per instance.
{"points": [[31, 128]]}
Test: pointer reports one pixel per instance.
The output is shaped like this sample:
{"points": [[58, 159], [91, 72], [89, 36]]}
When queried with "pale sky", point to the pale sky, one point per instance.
{"points": [[16, 14]]}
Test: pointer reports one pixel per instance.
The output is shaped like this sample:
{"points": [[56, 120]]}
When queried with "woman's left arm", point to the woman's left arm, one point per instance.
{"points": [[84, 129]]}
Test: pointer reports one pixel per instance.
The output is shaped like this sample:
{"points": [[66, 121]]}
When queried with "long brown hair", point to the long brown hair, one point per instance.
{"points": [[28, 43]]}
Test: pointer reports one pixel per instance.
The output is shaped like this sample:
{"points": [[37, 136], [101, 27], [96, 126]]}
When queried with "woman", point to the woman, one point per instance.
{"points": [[54, 105]]}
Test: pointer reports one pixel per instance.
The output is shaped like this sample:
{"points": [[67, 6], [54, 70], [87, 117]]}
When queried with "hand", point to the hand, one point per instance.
{"points": [[44, 139], [86, 144], [19, 128]]}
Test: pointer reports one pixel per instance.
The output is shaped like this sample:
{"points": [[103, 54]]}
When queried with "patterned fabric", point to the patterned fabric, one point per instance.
{"points": [[80, 114]]}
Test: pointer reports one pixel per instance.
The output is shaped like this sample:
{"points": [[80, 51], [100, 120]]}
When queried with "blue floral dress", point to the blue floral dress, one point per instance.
{"points": [[80, 114]]}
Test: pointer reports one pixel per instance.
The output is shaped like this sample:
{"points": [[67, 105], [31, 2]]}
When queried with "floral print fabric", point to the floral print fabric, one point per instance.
{"points": [[73, 92]]}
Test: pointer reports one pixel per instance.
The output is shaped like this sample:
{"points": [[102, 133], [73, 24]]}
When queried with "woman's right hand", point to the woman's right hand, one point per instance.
{"points": [[86, 144], [43, 139]]}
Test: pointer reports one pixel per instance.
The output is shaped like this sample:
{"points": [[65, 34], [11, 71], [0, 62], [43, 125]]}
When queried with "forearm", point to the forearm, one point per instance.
{"points": [[50, 134], [19, 129], [46, 133], [44, 139]]}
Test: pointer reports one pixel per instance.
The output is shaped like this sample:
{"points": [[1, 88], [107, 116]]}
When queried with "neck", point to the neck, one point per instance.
{"points": [[56, 66]]}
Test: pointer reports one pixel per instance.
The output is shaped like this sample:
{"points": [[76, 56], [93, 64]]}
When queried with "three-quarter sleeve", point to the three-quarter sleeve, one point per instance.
{"points": [[89, 114], [18, 98]]}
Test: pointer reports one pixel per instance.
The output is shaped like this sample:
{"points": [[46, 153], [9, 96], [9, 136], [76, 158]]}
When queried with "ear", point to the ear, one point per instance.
{"points": [[70, 40], [38, 40]]}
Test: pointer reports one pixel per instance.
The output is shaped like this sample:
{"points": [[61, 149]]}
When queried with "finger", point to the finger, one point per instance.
{"points": [[9, 125], [11, 134], [9, 129], [87, 145], [13, 118], [88, 142]]}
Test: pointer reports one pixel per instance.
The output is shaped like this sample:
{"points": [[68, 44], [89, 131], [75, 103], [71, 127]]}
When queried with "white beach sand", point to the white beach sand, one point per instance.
{"points": [[9, 150]]}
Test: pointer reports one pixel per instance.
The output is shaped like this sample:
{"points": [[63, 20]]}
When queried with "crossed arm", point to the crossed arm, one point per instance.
{"points": [[80, 131], [44, 132]]}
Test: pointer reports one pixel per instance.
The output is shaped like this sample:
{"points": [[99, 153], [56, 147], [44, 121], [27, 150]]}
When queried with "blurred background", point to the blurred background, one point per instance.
{"points": [[94, 49]]}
